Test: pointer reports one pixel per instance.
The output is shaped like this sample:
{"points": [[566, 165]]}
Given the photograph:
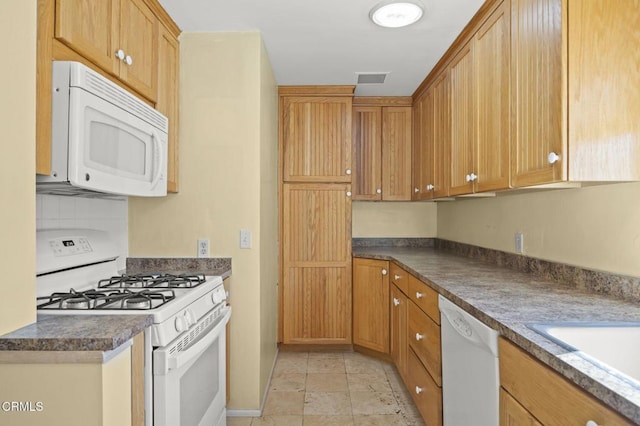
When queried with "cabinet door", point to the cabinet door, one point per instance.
{"points": [[371, 304], [167, 103], [514, 414], [90, 28], [423, 146], [367, 153], [396, 153], [463, 135], [537, 81], [139, 40], [441, 136], [398, 330], [316, 139], [492, 82], [316, 241]]}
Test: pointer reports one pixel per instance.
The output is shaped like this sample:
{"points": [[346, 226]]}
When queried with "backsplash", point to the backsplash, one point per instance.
{"points": [[53, 211]]}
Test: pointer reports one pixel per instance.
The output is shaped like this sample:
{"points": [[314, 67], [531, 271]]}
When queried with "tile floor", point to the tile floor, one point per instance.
{"points": [[334, 388]]}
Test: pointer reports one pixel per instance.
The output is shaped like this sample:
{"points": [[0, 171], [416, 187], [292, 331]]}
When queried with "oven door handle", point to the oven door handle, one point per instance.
{"points": [[182, 358]]}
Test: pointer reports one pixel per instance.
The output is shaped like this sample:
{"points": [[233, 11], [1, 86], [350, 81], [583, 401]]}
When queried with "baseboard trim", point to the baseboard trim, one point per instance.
{"points": [[257, 413]]}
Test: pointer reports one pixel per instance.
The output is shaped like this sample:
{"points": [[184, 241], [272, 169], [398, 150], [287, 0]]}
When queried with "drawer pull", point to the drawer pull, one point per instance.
{"points": [[396, 301], [418, 390], [419, 336], [396, 277], [591, 423], [419, 295]]}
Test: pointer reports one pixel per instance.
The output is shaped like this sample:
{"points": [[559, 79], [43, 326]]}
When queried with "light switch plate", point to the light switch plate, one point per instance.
{"points": [[519, 242], [245, 239]]}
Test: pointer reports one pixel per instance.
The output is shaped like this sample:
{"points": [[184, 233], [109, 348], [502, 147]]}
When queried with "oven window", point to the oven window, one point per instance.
{"points": [[199, 386], [116, 148]]}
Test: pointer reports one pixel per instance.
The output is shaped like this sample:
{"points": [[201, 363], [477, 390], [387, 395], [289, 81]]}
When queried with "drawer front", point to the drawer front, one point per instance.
{"points": [[425, 392], [545, 394], [424, 337], [425, 297], [400, 278]]}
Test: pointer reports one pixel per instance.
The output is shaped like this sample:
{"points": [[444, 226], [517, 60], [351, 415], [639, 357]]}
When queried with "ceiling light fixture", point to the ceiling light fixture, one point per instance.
{"points": [[396, 14]]}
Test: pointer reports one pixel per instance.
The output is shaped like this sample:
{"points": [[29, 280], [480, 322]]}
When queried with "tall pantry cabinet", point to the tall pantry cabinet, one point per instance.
{"points": [[315, 220]]}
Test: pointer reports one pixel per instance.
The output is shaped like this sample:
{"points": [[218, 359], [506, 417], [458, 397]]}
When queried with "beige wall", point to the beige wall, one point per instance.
{"points": [[17, 109], [595, 227], [224, 102], [394, 219], [268, 216]]}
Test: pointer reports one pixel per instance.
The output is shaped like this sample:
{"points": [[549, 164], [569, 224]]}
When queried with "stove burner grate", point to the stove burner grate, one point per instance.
{"points": [[153, 281]]}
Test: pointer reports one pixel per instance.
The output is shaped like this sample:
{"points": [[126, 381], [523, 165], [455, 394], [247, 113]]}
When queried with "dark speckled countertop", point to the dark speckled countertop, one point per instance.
{"points": [[506, 300], [100, 333]]}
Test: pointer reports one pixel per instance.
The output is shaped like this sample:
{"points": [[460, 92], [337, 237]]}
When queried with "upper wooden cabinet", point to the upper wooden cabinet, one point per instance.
{"points": [[316, 133], [382, 149], [431, 144], [371, 304], [120, 36], [491, 44], [537, 75], [167, 103], [92, 32], [574, 71], [463, 122], [480, 155]]}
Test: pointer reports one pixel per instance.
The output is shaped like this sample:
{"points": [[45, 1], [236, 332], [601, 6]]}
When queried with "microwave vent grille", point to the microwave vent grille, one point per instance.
{"points": [[121, 97]]}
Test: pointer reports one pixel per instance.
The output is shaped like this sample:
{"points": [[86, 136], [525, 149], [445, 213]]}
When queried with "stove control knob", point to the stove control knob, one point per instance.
{"points": [[180, 324], [218, 297], [189, 318]]}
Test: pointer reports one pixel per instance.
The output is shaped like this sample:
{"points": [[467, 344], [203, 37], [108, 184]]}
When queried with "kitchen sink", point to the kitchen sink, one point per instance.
{"points": [[615, 345]]}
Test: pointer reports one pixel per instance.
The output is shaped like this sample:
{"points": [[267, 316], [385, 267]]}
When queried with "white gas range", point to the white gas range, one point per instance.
{"points": [[77, 274]]}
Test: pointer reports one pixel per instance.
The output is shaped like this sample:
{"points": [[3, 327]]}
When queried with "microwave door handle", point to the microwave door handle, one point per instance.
{"points": [[184, 357], [158, 147]]}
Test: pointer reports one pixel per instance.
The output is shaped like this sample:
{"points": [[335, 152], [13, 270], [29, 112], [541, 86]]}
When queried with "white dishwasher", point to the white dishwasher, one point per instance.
{"points": [[470, 375]]}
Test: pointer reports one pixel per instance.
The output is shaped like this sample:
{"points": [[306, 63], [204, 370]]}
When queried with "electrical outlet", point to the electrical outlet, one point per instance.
{"points": [[203, 247], [245, 239], [519, 240]]}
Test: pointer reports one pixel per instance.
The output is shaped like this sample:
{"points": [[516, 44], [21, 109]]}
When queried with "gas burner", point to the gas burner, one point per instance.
{"points": [[76, 300], [138, 300], [153, 281]]}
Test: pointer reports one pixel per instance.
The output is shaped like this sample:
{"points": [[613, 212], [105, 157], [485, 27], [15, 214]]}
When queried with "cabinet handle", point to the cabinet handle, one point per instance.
{"points": [[378, 191], [418, 390], [553, 158], [419, 337], [430, 187], [384, 272], [348, 193], [348, 171], [128, 60], [471, 177], [419, 295], [396, 301], [416, 190], [396, 277], [120, 54], [591, 423]]}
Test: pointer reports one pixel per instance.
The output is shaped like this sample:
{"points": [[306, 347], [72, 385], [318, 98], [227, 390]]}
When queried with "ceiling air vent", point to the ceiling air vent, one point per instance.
{"points": [[371, 77]]}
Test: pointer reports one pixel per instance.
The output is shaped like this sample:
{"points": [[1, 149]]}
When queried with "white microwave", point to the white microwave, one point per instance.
{"points": [[105, 141]]}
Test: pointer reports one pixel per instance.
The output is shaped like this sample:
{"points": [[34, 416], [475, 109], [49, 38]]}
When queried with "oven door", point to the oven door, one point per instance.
{"points": [[112, 150], [189, 382]]}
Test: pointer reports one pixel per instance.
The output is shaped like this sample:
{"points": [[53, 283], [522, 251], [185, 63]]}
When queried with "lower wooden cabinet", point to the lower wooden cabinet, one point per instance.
{"points": [[423, 336], [546, 397], [514, 414], [371, 304], [425, 392]]}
